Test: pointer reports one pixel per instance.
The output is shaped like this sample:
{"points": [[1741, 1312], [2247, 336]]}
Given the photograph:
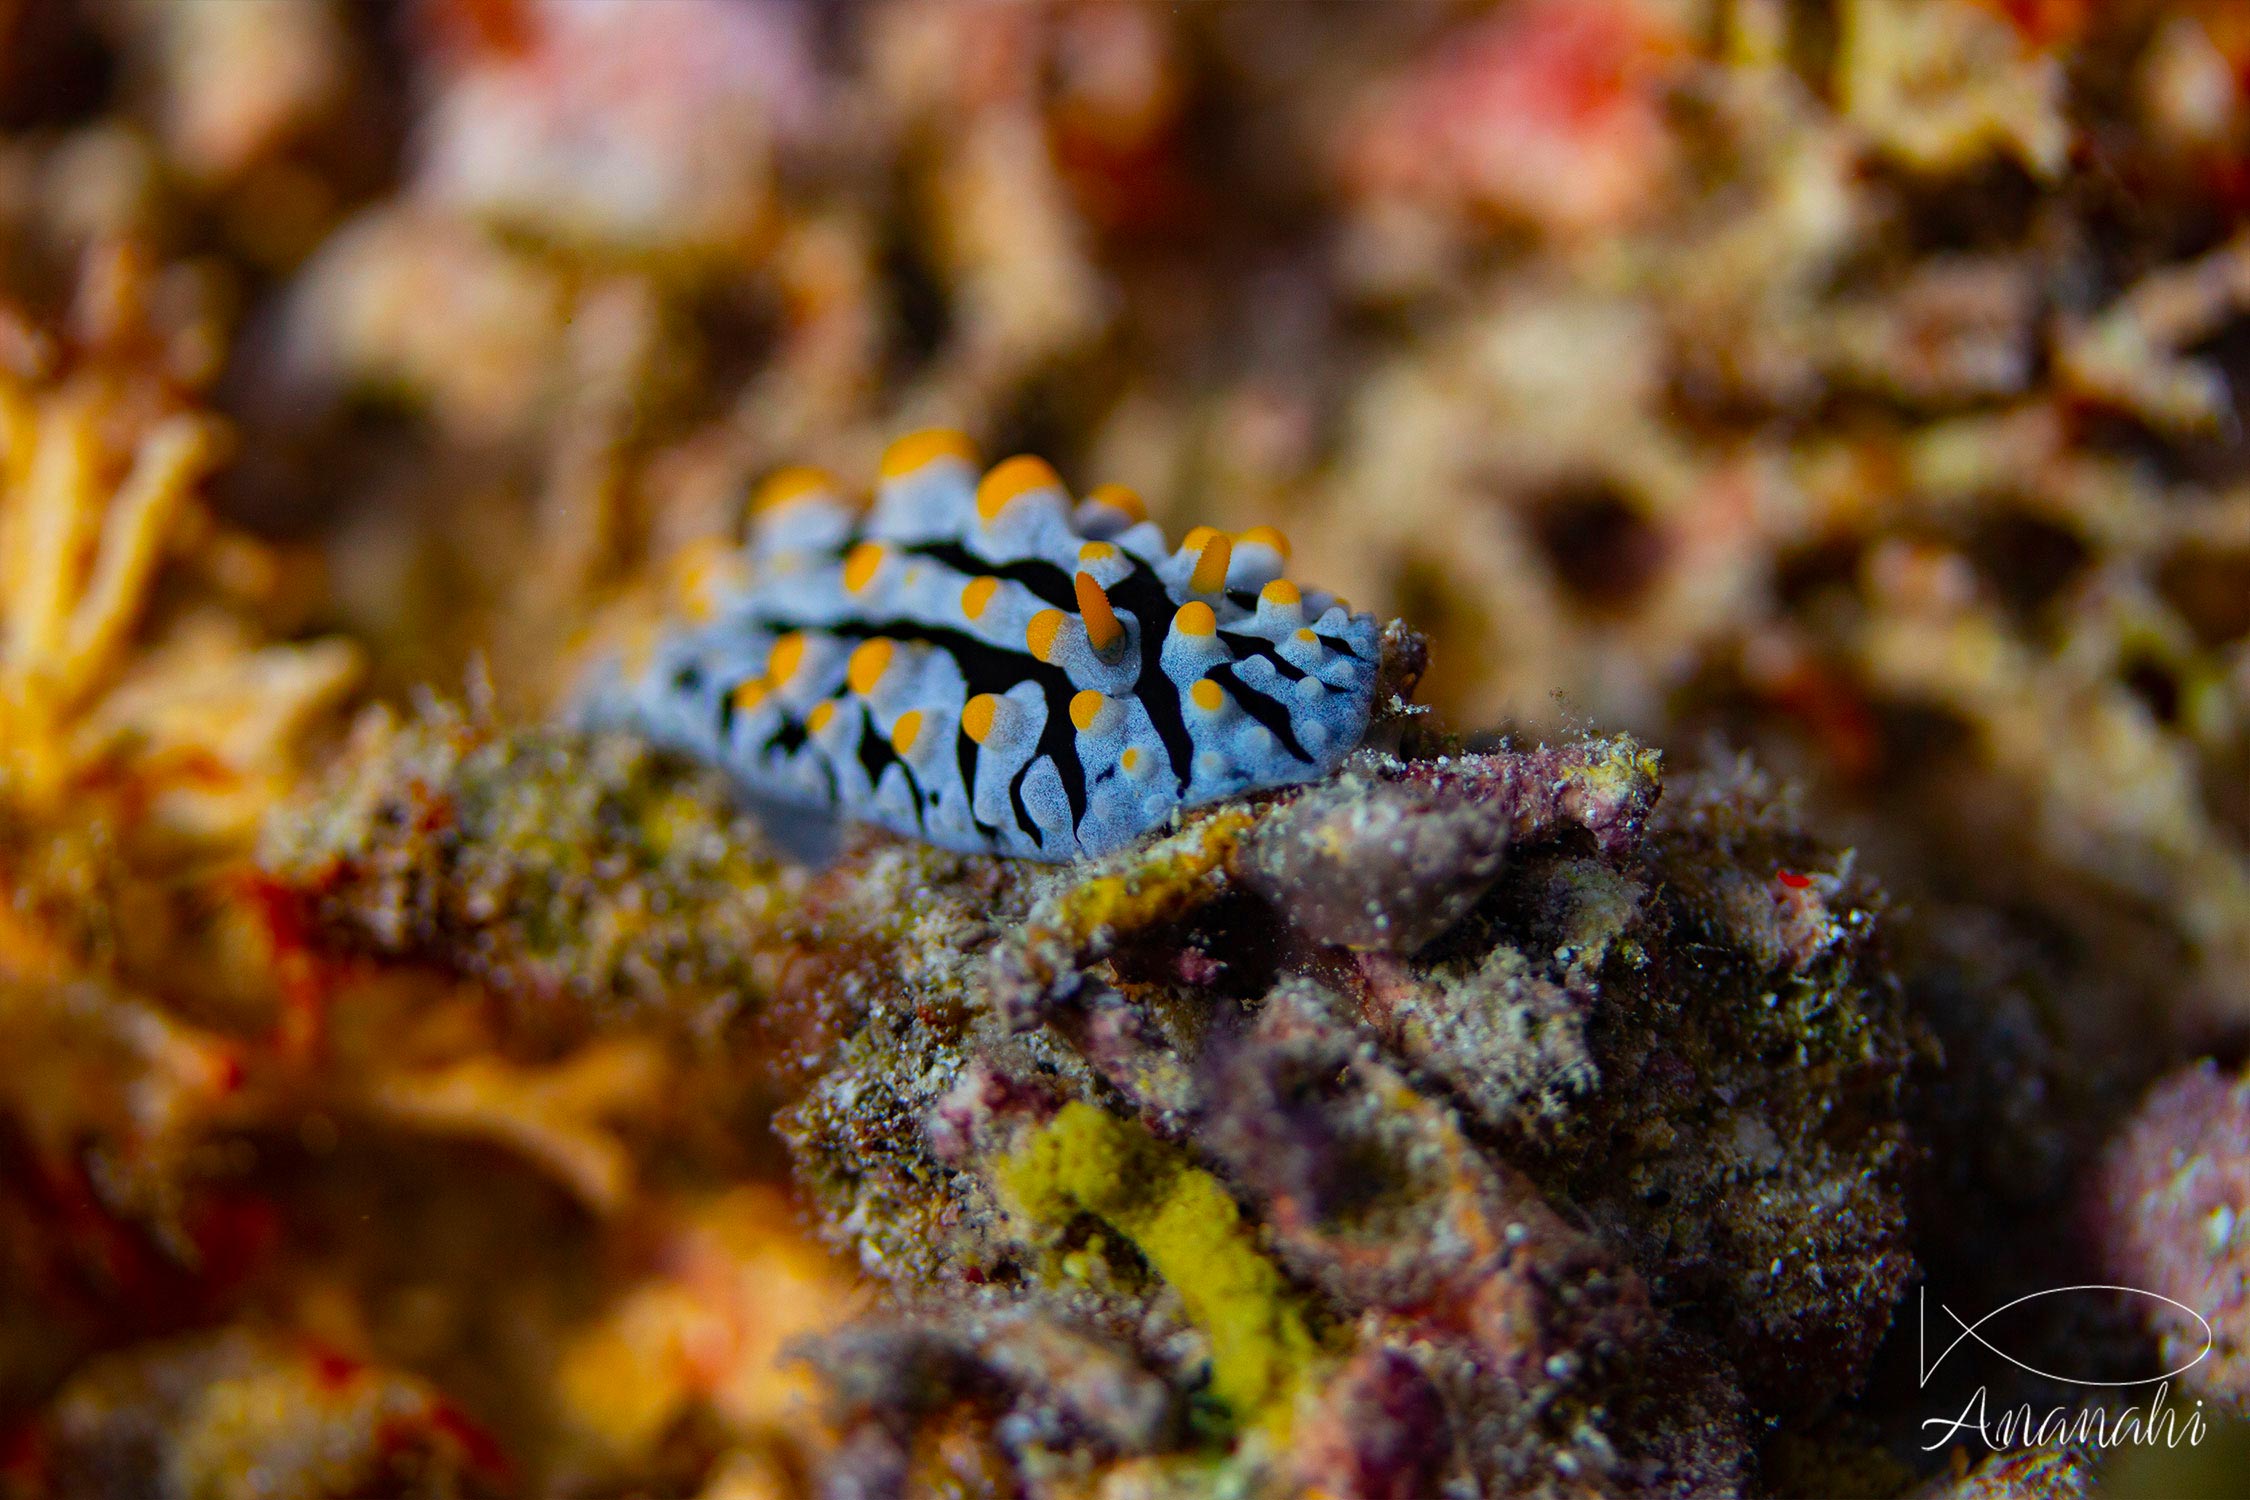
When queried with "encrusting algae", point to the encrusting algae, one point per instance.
{"points": [[1187, 1226]]}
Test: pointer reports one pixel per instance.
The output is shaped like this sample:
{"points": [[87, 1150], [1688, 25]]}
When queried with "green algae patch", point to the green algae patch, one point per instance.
{"points": [[1188, 1228]]}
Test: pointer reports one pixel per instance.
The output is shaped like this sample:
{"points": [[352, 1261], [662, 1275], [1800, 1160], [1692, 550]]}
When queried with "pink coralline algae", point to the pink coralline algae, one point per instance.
{"points": [[1550, 111], [2168, 1218]]}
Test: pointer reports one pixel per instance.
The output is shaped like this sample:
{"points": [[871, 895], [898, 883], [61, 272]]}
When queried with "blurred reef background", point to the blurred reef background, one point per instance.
{"points": [[1804, 868]]}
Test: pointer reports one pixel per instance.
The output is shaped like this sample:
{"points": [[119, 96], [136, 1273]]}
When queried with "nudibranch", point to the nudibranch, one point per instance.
{"points": [[980, 662]]}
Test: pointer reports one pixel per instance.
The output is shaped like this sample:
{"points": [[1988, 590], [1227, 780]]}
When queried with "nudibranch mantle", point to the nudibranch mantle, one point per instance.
{"points": [[981, 663]]}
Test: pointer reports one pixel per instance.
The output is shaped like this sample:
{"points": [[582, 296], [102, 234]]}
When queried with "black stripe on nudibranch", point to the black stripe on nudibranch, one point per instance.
{"points": [[789, 739], [1047, 583], [876, 755], [1144, 594], [1260, 706], [966, 757], [1245, 646]]}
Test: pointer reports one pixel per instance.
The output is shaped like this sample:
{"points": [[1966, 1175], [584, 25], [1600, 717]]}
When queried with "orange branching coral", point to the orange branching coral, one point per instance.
{"points": [[104, 1074], [709, 1327], [1941, 84], [553, 1115], [78, 566], [96, 494]]}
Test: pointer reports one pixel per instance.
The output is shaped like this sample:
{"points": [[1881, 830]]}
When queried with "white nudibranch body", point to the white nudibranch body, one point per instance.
{"points": [[981, 663]]}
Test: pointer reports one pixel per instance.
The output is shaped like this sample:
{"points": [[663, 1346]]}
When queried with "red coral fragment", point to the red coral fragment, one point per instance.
{"points": [[475, 1441], [114, 1278], [449, 1425], [309, 977], [23, 1457], [1833, 711], [2047, 24], [333, 1369]]}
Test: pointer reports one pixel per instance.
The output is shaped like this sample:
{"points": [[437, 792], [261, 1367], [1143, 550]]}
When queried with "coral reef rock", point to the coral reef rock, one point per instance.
{"points": [[1209, 1159]]}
